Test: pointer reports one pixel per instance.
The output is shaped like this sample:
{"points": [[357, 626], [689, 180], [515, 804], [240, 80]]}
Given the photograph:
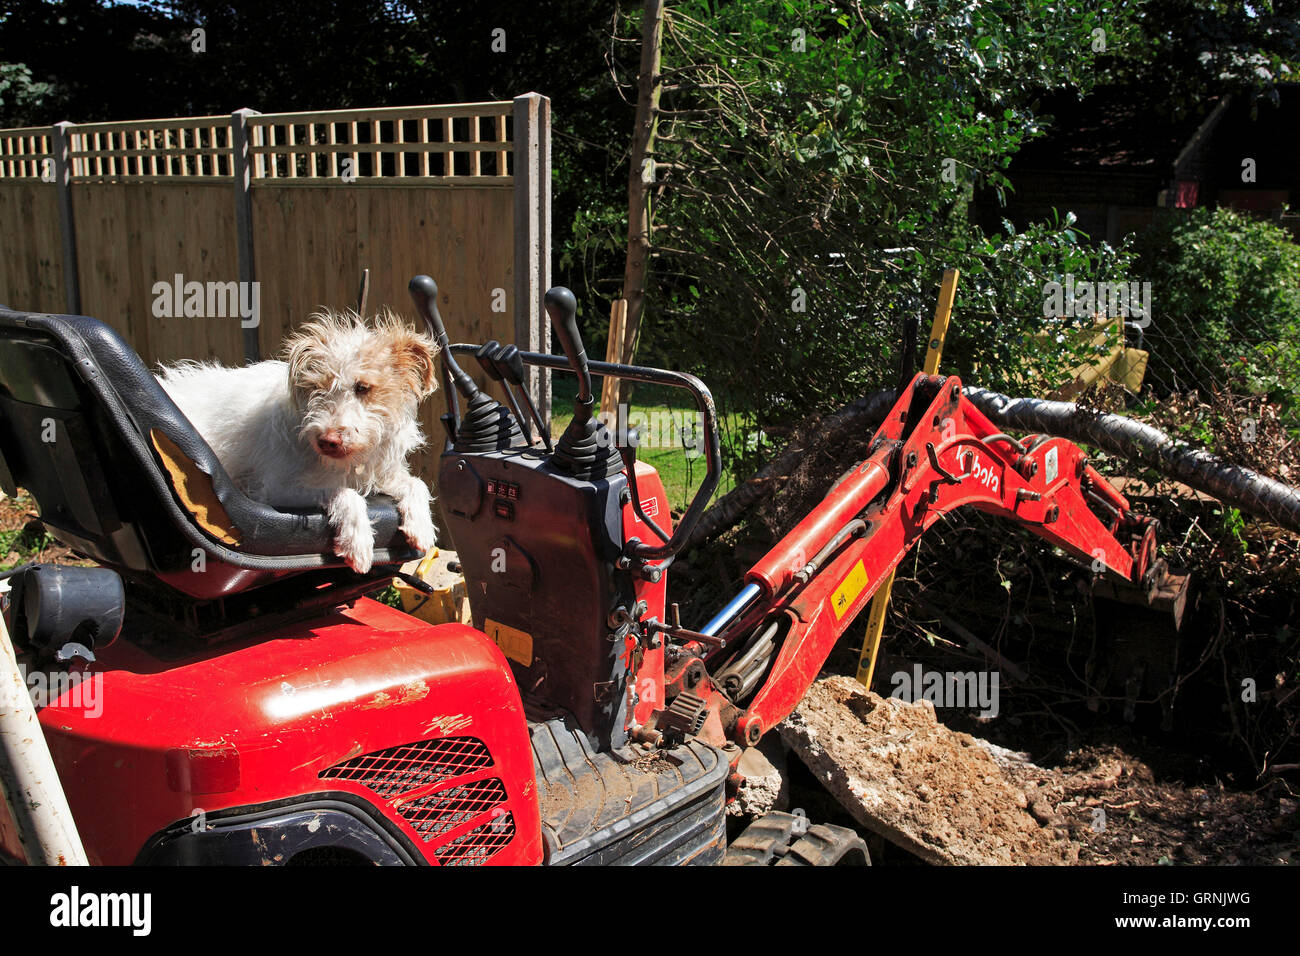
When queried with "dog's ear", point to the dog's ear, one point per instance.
{"points": [[416, 359]]}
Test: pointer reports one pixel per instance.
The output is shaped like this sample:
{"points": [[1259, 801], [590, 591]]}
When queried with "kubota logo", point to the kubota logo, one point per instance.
{"points": [[984, 474]]}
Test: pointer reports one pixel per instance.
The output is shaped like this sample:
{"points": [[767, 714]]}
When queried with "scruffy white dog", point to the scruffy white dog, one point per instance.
{"points": [[331, 424]]}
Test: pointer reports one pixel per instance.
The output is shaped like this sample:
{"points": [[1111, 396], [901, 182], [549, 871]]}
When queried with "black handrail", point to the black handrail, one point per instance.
{"points": [[654, 376]]}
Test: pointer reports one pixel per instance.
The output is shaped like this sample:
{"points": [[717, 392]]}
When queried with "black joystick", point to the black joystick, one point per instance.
{"points": [[586, 449], [487, 356], [511, 366], [487, 425]]}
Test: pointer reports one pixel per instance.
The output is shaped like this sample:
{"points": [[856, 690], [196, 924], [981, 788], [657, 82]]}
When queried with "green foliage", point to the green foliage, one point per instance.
{"points": [[389, 596], [1001, 338], [25, 543], [1234, 529], [20, 95], [1225, 303], [815, 169], [1186, 50]]}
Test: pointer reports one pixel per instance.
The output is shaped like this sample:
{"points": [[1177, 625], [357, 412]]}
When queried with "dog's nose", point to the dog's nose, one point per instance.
{"points": [[330, 443]]}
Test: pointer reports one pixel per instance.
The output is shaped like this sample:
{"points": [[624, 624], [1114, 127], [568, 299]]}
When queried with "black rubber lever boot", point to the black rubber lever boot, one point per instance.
{"points": [[487, 425], [511, 366], [487, 359], [586, 449]]}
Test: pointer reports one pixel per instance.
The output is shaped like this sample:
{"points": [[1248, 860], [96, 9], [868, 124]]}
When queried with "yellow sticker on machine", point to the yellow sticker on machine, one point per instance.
{"points": [[854, 583], [514, 643]]}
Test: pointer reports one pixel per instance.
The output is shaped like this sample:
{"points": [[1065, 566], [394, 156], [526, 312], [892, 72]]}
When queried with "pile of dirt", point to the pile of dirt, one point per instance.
{"points": [[1120, 813], [904, 775], [951, 798]]}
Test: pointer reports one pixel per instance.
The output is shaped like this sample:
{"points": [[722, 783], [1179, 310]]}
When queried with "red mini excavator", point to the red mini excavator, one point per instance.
{"points": [[252, 705]]}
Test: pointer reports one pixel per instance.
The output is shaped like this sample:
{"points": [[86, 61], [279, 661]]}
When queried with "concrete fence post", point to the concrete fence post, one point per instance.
{"points": [[532, 184], [241, 168], [60, 146]]}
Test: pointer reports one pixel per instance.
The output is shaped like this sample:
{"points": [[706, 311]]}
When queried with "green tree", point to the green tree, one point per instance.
{"points": [[1185, 50], [1226, 315], [813, 172], [20, 96]]}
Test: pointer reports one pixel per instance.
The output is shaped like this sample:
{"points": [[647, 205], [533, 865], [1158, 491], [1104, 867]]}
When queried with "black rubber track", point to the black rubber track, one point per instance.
{"points": [[772, 840]]}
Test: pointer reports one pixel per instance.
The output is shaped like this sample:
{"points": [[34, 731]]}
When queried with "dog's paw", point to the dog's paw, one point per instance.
{"points": [[415, 505], [354, 538], [359, 554], [419, 530]]}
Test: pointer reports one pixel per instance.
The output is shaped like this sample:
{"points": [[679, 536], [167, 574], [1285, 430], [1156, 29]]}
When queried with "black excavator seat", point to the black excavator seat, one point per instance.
{"points": [[121, 476]]}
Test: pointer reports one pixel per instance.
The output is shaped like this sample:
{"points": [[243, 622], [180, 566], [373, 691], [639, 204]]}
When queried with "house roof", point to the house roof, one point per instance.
{"points": [[1118, 129]]}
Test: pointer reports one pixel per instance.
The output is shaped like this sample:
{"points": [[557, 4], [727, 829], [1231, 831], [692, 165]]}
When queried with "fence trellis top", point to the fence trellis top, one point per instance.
{"points": [[150, 150], [430, 143], [464, 143], [23, 152]]}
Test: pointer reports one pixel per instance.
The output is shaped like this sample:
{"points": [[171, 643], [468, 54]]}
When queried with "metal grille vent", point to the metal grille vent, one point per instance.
{"points": [[445, 810], [397, 770], [475, 847]]}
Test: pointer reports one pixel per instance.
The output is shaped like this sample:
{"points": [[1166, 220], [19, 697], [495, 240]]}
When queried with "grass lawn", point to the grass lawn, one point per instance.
{"points": [[658, 413], [23, 539]]}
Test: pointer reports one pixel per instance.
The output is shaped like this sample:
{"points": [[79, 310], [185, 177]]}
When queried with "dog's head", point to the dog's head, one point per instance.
{"points": [[356, 382]]}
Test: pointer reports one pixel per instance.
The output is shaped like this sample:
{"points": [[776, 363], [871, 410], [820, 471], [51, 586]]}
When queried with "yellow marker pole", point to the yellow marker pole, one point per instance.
{"points": [[880, 603]]}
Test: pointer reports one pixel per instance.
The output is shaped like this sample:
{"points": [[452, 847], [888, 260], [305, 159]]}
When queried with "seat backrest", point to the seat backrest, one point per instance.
{"points": [[121, 476]]}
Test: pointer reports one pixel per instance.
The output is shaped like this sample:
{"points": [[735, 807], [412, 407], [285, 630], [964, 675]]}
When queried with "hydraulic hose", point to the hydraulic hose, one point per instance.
{"points": [[1135, 441], [1234, 485]]}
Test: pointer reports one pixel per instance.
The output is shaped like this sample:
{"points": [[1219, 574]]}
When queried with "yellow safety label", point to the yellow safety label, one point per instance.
{"points": [[854, 583], [514, 643]]}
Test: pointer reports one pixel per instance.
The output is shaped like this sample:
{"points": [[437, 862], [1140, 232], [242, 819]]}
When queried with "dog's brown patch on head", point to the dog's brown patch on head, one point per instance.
{"points": [[392, 363], [411, 355]]}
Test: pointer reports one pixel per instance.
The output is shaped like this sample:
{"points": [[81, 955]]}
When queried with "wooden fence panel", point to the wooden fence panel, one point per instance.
{"points": [[31, 258], [31, 254], [131, 236]]}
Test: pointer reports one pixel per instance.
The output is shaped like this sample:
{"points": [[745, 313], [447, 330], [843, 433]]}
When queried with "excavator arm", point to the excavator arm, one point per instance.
{"points": [[935, 453]]}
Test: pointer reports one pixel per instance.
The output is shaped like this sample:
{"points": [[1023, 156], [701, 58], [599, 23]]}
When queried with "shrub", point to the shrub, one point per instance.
{"points": [[1225, 304]]}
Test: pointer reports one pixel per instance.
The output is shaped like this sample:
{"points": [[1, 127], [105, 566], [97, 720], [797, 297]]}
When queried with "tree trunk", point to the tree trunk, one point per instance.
{"points": [[640, 177]]}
